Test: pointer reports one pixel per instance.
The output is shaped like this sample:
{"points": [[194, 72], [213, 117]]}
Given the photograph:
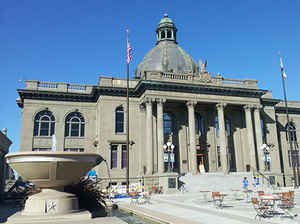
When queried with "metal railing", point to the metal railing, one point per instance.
{"points": [[257, 173]]}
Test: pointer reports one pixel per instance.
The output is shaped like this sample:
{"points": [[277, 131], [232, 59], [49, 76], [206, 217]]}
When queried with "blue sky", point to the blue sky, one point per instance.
{"points": [[76, 41]]}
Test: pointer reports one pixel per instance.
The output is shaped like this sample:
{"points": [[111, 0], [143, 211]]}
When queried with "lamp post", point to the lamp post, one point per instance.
{"points": [[266, 155], [169, 148], [293, 153]]}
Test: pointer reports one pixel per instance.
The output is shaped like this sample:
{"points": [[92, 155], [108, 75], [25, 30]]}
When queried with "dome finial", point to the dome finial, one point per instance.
{"points": [[166, 15]]}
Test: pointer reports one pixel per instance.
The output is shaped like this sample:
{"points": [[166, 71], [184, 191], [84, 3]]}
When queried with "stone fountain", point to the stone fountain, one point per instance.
{"points": [[51, 171]]}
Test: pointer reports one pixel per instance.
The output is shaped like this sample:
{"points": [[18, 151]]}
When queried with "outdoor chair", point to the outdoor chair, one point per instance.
{"points": [[262, 210], [260, 193], [218, 198], [287, 203]]}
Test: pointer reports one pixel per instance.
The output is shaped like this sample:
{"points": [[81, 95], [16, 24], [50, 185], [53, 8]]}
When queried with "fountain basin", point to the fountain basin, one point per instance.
{"points": [[52, 169]]}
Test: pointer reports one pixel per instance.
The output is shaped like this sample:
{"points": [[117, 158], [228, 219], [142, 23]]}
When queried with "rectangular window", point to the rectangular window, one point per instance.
{"points": [[124, 157], [74, 149], [114, 156], [41, 149], [219, 156]]}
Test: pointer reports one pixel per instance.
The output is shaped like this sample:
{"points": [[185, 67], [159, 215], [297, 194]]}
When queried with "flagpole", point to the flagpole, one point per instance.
{"points": [[127, 115], [288, 130]]}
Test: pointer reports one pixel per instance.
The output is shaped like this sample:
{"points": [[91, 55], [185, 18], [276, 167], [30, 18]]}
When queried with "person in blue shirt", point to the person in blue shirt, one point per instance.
{"points": [[92, 175], [245, 184]]}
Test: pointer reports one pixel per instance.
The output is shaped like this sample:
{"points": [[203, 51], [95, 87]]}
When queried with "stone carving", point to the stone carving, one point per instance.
{"points": [[191, 103], [160, 100], [202, 65], [248, 107], [221, 106]]}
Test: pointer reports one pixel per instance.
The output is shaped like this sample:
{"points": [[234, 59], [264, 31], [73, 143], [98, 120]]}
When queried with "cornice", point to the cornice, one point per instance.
{"points": [[139, 89]]}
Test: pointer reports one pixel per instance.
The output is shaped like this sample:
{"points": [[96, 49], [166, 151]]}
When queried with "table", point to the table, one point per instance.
{"points": [[218, 199], [271, 202]]}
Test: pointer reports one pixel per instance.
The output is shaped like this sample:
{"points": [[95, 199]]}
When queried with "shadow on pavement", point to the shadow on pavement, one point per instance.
{"points": [[7, 210]]}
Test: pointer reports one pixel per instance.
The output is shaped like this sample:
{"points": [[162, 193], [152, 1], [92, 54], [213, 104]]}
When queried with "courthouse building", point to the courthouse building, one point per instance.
{"points": [[216, 124]]}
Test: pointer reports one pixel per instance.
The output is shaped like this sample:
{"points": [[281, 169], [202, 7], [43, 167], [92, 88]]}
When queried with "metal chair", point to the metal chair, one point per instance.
{"points": [[262, 210]]}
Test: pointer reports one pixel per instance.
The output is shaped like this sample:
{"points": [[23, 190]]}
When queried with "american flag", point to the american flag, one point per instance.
{"points": [[282, 70], [128, 52]]}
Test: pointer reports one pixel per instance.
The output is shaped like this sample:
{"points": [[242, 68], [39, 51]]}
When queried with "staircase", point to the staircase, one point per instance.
{"points": [[219, 182]]}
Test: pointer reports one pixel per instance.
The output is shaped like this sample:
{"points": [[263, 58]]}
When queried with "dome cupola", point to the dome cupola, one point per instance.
{"points": [[166, 29], [166, 55]]}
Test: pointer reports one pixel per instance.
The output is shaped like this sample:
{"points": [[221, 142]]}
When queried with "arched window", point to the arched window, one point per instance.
{"points": [[74, 125], [291, 130], [199, 124], [169, 34], [162, 34], [227, 126], [167, 124], [44, 123], [119, 128]]}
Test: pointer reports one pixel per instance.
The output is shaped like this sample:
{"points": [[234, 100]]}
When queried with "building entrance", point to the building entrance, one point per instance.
{"points": [[200, 162]]}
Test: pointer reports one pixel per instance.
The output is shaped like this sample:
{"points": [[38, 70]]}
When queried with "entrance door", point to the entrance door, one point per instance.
{"points": [[200, 162]]}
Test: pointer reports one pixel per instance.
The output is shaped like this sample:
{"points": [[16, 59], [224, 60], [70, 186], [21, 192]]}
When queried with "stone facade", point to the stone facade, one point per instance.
{"points": [[4, 168], [211, 120]]}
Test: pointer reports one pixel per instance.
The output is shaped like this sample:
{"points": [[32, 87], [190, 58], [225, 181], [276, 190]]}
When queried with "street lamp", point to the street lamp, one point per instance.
{"points": [[266, 155], [169, 148]]}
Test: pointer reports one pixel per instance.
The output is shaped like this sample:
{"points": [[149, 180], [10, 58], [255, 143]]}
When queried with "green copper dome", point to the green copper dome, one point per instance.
{"points": [[166, 56], [166, 21]]}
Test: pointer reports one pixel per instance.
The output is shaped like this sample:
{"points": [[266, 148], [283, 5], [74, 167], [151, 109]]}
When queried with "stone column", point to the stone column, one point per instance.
{"points": [[148, 140], [249, 127], [222, 137], [160, 135], [259, 140], [192, 156]]}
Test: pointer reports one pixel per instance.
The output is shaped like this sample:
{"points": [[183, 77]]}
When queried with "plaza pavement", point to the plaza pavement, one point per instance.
{"points": [[192, 208]]}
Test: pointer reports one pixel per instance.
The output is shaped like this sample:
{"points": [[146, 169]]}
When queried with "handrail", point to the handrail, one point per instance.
{"points": [[265, 177]]}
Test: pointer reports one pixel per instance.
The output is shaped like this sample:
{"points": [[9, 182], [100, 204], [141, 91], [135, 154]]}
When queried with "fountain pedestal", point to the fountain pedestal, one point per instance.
{"points": [[50, 201], [51, 171]]}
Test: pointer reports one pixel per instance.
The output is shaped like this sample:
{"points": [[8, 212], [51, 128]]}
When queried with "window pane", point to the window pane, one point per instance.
{"points": [[67, 130], [52, 128], [114, 156], [74, 129], [124, 157], [36, 129], [119, 127], [228, 131], [119, 120], [217, 126], [44, 118], [82, 130], [44, 131]]}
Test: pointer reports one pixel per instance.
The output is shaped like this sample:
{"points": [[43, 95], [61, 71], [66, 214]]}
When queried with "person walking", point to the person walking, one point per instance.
{"points": [[245, 184]]}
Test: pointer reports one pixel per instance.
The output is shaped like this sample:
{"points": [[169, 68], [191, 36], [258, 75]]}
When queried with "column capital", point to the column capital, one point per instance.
{"points": [[147, 100], [221, 105], [258, 107], [248, 107], [191, 103], [160, 100]]}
